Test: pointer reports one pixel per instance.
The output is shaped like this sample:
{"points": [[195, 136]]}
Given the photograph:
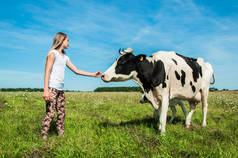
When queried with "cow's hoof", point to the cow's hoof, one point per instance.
{"points": [[187, 126], [162, 133]]}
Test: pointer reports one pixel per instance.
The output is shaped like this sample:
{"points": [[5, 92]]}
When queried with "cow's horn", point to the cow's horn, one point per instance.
{"points": [[121, 52], [128, 50]]}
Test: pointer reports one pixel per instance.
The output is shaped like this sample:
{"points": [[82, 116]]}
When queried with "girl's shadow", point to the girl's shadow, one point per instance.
{"points": [[53, 128]]}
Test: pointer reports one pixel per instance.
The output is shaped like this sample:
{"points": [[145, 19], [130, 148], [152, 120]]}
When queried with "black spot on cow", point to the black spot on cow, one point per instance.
{"points": [[125, 64], [158, 74], [164, 85], [175, 61], [192, 86], [196, 68], [167, 77], [183, 77], [177, 75], [151, 74]]}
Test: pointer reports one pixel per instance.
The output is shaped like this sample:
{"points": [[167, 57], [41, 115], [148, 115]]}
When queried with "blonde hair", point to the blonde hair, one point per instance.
{"points": [[58, 41]]}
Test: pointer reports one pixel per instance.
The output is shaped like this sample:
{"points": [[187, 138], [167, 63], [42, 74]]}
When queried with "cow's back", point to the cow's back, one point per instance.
{"points": [[185, 77]]}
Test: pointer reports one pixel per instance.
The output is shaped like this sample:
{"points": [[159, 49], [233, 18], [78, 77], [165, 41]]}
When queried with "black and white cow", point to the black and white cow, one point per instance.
{"points": [[172, 104], [164, 76]]}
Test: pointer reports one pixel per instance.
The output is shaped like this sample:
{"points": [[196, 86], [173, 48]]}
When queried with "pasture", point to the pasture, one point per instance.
{"points": [[115, 124]]}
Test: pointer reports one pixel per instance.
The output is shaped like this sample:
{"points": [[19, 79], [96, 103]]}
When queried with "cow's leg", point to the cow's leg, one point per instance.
{"points": [[192, 108], [163, 115], [204, 107], [181, 104], [173, 112], [150, 97], [156, 114]]}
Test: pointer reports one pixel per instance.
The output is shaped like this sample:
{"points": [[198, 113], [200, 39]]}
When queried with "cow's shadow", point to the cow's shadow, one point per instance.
{"points": [[149, 122], [177, 120]]}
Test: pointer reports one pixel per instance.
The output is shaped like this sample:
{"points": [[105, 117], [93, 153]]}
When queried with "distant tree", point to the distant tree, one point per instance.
{"points": [[22, 89], [212, 89], [118, 89], [28, 90]]}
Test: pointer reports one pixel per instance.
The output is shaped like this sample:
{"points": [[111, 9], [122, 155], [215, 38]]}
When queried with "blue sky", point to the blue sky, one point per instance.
{"points": [[97, 29]]}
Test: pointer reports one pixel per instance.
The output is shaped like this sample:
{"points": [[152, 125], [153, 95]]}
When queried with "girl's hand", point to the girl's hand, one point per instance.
{"points": [[97, 74], [46, 95]]}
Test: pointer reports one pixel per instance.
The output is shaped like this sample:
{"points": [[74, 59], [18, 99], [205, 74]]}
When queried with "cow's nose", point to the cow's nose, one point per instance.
{"points": [[141, 101], [102, 76]]}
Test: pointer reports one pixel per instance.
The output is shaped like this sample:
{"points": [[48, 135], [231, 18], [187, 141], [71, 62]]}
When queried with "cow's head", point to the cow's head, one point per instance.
{"points": [[124, 68], [144, 99]]}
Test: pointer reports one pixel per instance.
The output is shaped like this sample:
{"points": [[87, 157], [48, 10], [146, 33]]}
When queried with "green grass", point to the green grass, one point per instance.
{"points": [[114, 124]]}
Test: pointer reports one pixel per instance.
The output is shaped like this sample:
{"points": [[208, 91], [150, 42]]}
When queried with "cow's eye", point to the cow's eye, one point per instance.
{"points": [[122, 62]]}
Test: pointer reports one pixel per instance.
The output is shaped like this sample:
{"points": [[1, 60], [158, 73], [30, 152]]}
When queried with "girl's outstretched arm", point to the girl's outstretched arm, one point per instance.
{"points": [[72, 67], [48, 67]]}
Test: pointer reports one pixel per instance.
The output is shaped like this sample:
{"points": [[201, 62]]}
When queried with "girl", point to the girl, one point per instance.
{"points": [[54, 83]]}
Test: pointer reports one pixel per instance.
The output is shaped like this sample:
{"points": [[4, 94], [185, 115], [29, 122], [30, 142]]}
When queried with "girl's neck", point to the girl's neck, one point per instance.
{"points": [[60, 50]]}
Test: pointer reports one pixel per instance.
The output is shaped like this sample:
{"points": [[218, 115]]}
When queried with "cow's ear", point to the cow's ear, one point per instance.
{"points": [[141, 57]]}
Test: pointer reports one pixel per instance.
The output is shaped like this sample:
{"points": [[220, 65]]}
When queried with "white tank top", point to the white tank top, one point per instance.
{"points": [[57, 73]]}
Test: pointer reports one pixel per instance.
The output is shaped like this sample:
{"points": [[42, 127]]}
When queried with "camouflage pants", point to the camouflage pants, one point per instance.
{"points": [[57, 101]]}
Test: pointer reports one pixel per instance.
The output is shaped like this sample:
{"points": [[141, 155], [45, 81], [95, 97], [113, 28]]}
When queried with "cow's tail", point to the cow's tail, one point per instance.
{"points": [[213, 77], [209, 66]]}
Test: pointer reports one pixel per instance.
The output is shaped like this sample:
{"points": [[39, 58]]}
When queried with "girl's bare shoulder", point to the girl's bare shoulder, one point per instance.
{"points": [[52, 52]]}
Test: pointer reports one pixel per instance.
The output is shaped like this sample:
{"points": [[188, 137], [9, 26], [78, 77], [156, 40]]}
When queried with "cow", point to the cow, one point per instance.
{"points": [[172, 104], [163, 76]]}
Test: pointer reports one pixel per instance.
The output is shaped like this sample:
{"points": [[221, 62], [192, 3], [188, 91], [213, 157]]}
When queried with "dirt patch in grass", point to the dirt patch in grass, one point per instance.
{"points": [[219, 135], [40, 152], [29, 102], [2, 102], [189, 154], [194, 127], [219, 118], [151, 142]]}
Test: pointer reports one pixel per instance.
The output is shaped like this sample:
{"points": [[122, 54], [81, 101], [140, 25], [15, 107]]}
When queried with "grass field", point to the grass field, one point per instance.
{"points": [[116, 125]]}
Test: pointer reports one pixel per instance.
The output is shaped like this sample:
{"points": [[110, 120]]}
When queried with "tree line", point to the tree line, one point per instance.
{"points": [[99, 89], [118, 89], [134, 89], [28, 90], [22, 89]]}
